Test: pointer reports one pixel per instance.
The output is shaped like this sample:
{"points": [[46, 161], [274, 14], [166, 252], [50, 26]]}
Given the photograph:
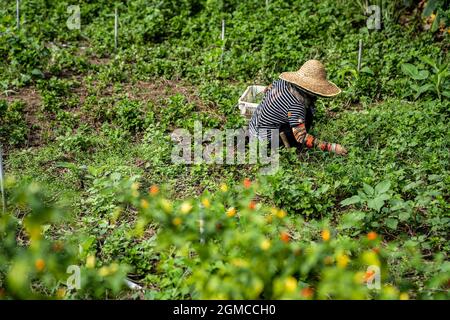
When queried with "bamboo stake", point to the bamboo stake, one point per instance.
{"points": [[222, 37], [116, 29], [360, 55]]}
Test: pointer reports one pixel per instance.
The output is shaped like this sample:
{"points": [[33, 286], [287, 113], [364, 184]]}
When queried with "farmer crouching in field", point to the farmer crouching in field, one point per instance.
{"points": [[288, 106]]}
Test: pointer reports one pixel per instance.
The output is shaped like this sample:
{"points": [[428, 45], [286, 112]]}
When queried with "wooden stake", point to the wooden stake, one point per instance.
{"points": [[18, 14], [360, 55], [2, 190], [116, 29]]}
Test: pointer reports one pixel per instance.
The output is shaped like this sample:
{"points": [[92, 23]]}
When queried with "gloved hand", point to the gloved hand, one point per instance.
{"points": [[338, 149]]}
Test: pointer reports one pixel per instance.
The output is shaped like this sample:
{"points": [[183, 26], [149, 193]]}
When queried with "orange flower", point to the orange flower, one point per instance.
{"points": [[326, 235], [247, 183], [307, 292], [153, 190], [252, 205], [39, 264], [372, 235], [285, 237], [368, 275]]}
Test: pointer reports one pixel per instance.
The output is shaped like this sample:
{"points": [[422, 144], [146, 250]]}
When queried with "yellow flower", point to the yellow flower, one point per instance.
{"points": [[90, 261], [404, 296], [35, 233], [290, 284], [238, 262], [231, 212], [223, 187], [265, 244], [144, 204], [134, 189], [432, 17], [370, 258], [114, 267], [177, 221], [359, 277], [134, 186], [61, 293], [186, 207], [206, 203], [104, 271], [342, 260], [326, 235], [281, 213], [166, 205]]}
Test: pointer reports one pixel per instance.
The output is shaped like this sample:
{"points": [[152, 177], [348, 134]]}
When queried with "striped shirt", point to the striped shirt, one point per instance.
{"points": [[283, 104]]}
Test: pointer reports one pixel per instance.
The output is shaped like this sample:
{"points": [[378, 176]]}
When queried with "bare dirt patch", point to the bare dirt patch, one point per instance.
{"points": [[155, 91]]}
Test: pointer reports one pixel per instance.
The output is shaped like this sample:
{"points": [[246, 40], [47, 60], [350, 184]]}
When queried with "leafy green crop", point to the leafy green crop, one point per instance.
{"points": [[91, 125]]}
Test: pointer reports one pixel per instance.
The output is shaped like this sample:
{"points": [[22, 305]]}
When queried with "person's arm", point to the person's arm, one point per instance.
{"points": [[310, 141]]}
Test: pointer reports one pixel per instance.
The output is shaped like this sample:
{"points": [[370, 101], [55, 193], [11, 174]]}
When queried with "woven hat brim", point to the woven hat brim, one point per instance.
{"points": [[322, 88]]}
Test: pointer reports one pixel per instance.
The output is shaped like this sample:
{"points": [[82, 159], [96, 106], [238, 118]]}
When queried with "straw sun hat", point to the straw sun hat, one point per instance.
{"points": [[313, 78]]}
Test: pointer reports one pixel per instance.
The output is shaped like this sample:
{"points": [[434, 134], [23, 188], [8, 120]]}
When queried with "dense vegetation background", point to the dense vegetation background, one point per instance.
{"points": [[90, 182]]}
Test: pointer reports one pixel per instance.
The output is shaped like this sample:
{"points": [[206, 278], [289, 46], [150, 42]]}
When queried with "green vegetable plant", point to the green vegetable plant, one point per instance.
{"points": [[436, 81]]}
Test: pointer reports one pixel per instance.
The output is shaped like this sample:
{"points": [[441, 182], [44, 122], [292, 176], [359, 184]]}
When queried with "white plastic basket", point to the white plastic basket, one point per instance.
{"points": [[248, 101]]}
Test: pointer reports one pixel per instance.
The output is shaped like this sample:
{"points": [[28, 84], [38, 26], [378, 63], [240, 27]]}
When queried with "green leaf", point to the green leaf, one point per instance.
{"points": [[376, 204], [37, 72], [435, 25], [430, 62], [352, 219], [422, 75], [368, 71], [409, 69], [404, 215], [422, 89], [383, 186], [430, 7], [391, 223], [446, 94], [351, 200], [368, 189]]}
